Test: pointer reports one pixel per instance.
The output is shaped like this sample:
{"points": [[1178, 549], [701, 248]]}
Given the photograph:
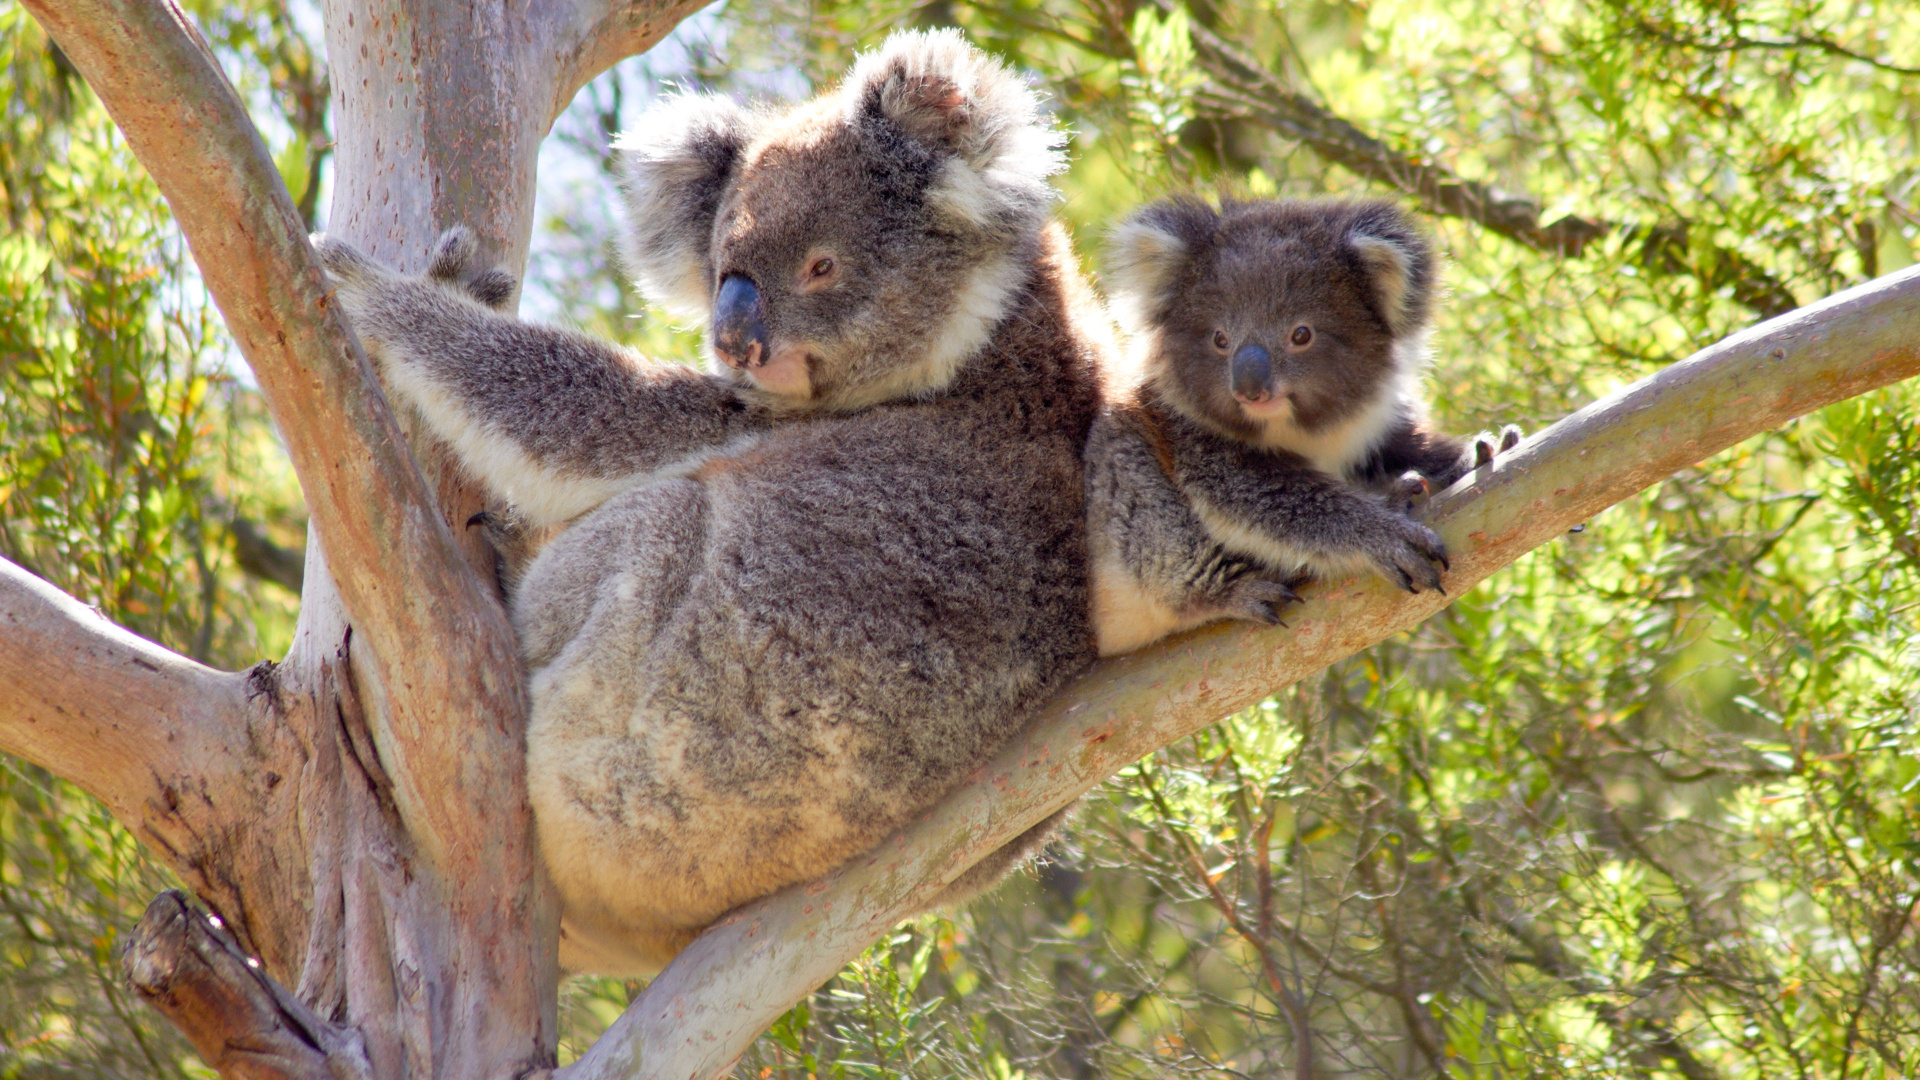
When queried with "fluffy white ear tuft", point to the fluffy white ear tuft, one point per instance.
{"points": [[1389, 267], [674, 166], [1397, 258], [1146, 255], [943, 92]]}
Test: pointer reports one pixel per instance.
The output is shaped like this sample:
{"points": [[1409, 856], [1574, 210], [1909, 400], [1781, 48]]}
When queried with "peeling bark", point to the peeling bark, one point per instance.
{"points": [[242, 1023]]}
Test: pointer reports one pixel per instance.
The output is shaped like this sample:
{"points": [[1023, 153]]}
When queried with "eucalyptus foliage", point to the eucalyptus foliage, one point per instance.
{"points": [[1645, 804]]}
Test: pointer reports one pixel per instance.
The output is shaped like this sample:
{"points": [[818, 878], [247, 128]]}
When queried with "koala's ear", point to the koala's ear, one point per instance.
{"points": [[1148, 252], [1397, 260], [968, 107], [674, 167]]}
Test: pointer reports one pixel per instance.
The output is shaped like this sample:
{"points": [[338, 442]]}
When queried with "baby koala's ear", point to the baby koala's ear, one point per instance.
{"points": [[674, 167], [1397, 260], [1149, 252], [949, 96]]}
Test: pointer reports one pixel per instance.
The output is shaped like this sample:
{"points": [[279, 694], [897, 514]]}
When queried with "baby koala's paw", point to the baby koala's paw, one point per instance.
{"points": [[1411, 490], [453, 267], [1261, 599], [1487, 445], [1405, 552]]}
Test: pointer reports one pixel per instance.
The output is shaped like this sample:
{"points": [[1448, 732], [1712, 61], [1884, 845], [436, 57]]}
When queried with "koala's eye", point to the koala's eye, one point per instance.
{"points": [[818, 275], [1220, 340], [1302, 336]]}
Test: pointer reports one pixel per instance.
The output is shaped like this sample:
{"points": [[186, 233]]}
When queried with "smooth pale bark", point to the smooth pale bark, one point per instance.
{"points": [[704, 1010], [393, 882], [357, 813]]}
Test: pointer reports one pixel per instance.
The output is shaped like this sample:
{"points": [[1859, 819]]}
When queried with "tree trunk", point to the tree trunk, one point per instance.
{"points": [[356, 815]]}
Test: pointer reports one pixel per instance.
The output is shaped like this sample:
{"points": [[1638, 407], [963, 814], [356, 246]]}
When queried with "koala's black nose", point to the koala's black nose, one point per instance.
{"points": [[740, 323], [1252, 374]]}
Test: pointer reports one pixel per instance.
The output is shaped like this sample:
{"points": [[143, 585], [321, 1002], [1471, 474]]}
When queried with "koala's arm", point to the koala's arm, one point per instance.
{"points": [[552, 420], [1155, 568], [1275, 507], [1437, 458]]}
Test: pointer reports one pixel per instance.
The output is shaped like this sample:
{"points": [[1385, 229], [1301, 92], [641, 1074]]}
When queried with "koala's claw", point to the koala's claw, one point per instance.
{"points": [[453, 266], [1487, 445], [493, 288], [1261, 599], [1413, 556], [1410, 490], [451, 254], [341, 260]]}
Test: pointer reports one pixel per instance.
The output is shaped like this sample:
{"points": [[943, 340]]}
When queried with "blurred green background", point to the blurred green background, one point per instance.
{"points": [[1643, 805]]}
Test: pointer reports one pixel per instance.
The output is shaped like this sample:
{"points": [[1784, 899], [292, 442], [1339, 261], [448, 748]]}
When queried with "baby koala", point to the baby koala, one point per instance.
{"points": [[1270, 427]]}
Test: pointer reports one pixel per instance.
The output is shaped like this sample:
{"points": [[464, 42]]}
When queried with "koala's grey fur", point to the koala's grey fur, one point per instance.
{"points": [[777, 623], [1203, 505]]}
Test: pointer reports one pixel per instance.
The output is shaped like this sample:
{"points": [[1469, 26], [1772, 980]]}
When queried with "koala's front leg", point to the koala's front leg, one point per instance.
{"points": [[1278, 509], [1155, 569], [552, 420]]}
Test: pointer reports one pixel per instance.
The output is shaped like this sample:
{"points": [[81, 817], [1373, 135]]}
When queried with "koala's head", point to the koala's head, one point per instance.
{"points": [[1278, 323], [854, 249]]}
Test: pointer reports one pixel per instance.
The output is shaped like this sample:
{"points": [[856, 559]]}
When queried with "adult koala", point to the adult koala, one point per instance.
{"points": [[795, 600]]}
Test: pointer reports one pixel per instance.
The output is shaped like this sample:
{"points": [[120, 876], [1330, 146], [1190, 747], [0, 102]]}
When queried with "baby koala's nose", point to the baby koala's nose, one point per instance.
{"points": [[1252, 374], [740, 323]]}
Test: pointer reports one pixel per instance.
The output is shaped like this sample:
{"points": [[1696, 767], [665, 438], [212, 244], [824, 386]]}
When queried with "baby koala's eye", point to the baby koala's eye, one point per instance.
{"points": [[1302, 336], [821, 268], [1220, 340]]}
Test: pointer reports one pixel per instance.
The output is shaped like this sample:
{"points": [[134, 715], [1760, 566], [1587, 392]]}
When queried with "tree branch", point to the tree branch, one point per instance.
{"points": [[392, 556], [1245, 88], [704, 1010], [602, 33], [103, 707], [239, 1020], [188, 758]]}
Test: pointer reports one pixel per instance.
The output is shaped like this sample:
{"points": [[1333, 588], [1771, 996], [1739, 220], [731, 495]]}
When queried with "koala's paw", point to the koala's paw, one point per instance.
{"points": [[344, 263], [1406, 553], [1410, 490], [453, 267], [513, 540], [1259, 599], [1487, 445]]}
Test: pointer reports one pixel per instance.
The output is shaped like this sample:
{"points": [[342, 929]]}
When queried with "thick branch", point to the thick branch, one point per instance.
{"points": [[239, 1020], [188, 758], [102, 707], [392, 556], [706, 1008]]}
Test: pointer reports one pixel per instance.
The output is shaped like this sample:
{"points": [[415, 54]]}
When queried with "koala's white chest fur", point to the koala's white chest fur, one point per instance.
{"points": [[1338, 448]]}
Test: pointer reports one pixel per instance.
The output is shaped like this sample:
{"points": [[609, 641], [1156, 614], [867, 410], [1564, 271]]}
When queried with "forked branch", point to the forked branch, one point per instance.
{"points": [[391, 554], [701, 1013], [116, 714]]}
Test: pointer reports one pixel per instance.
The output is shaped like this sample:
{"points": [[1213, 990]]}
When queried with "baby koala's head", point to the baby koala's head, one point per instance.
{"points": [[1294, 325]]}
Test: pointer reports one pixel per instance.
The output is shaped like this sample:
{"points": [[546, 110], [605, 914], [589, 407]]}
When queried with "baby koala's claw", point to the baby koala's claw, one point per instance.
{"points": [[1412, 556], [1260, 600], [1487, 445], [451, 254], [1410, 490]]}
